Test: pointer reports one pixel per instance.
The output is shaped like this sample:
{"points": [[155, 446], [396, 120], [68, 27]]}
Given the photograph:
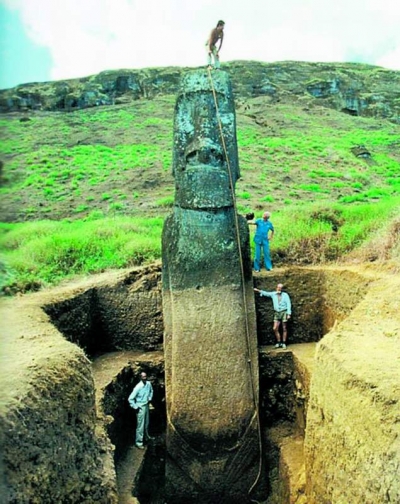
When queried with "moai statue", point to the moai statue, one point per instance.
{"points": [[211, 360]]}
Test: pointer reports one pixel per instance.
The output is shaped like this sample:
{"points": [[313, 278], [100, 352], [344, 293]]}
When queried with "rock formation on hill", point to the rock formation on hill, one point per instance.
{"points": [[352, 88]]}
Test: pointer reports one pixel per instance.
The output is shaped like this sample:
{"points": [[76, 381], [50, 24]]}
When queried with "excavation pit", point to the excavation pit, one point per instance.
{"points": [[56, 400]]}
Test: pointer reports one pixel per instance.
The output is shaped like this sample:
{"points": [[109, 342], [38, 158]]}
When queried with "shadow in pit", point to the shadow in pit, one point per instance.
{"points": [[125, 315], [142, 473], [139, 473], [284, 391], [149, 486]]}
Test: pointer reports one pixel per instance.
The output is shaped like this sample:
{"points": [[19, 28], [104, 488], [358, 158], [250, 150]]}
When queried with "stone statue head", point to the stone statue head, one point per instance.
{"points": [[200, 161]]}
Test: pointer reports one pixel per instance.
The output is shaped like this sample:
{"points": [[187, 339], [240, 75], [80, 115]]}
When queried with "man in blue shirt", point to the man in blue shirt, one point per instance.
{"points": [[139, 400], [282, 312], [264, 233]]}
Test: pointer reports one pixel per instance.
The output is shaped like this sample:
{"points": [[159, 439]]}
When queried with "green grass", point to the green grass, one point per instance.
{"points": [[244, 195], [61, 159], [91, 150], [103, 176], [315, 232], [167, 201], [45, 252]]}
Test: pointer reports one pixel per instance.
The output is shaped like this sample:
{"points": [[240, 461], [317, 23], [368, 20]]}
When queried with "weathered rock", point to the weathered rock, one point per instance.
{"points": [[352, 88], [208, 304]]}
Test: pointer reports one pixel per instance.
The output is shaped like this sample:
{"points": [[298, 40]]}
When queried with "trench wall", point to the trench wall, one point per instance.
{"points": [[114, 402], [352, 443], [53, 449], [124, 314], [48, 404], [277, 388], [318, 301]]}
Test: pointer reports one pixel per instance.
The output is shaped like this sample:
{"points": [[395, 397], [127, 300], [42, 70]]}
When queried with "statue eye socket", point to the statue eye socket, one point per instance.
{"points": [[207, 156], [217, 155], [191, 156]]}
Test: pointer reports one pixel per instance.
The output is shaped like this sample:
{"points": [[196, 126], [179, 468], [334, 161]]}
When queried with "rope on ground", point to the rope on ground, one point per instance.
{"points": [[243, 280]]}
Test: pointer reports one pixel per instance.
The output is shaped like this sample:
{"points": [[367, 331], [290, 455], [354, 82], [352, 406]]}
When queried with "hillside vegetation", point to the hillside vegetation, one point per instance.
{"points": [[87, 190]]}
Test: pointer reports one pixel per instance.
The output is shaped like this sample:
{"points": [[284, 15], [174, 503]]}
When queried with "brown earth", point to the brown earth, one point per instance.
{"points": [[48, 390], [352, 445]]}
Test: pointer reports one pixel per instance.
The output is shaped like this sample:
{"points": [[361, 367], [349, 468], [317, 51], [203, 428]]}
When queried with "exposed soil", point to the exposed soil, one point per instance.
{"points": [[37, 364]]}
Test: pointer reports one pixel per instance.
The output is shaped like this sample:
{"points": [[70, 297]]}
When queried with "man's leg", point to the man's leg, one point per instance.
{"points": [[277, 334], [257, 258], [284, 334], [140, 419], [208, 58], [216, 59], [267, 257], [146, 423], [212, 54]]}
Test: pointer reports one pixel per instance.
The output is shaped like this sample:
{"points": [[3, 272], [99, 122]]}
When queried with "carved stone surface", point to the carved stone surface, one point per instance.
{"points": [[208, 305]]}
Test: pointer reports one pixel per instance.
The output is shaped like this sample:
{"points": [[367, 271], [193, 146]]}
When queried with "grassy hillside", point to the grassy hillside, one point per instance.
{"points": [[117, 159], [101, 173]]}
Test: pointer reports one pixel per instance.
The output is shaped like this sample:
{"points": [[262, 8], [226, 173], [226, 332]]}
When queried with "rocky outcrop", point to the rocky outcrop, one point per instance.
{"points": [[352, 88], [106, 88], [211, 364]]}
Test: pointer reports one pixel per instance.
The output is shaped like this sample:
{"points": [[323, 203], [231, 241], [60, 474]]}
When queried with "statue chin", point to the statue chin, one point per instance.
{"points": [[204, 187]]}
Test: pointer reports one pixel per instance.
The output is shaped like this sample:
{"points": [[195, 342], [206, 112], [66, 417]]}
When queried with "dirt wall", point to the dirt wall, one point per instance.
{"points": [[124, 313], [277, 387], [352, 440], [320, 297], [114, 401], [53, 448], [129, 312]]}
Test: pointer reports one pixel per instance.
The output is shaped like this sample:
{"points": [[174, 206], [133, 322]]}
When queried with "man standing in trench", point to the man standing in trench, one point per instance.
{"points": [[139, 400], [282, 312]]}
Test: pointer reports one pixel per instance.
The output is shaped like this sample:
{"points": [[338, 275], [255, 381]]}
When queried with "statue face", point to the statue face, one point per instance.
{"points": [[200, 165]]}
